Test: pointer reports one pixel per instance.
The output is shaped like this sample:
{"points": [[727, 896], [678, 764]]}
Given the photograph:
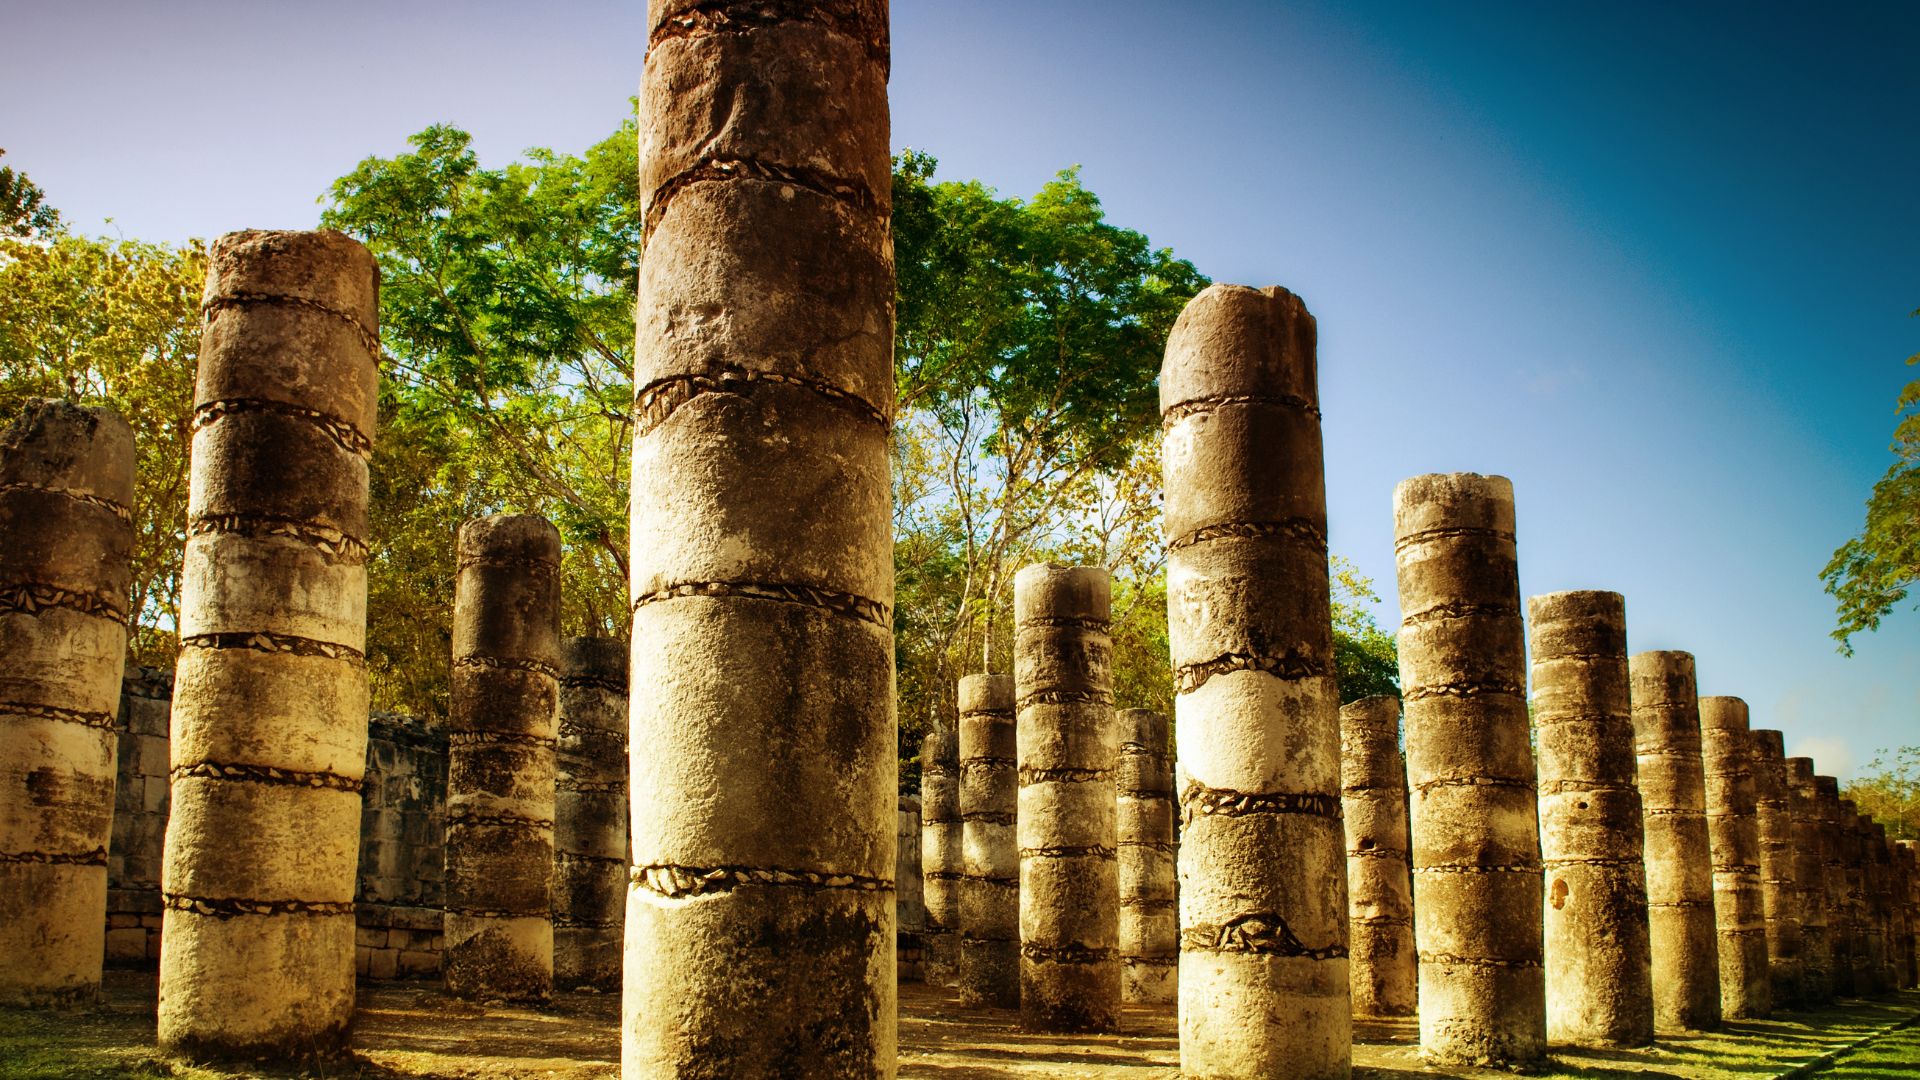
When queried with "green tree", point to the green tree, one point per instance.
{"points": [[1888, 790], [116, 323], [1873, 572], [24, 213]]}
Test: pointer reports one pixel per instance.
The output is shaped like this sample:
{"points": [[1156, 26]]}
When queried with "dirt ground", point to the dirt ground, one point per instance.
{"points": [[411, 1031]]}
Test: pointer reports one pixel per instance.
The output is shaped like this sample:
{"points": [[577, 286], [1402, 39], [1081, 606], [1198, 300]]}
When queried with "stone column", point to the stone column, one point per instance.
{"points": [[1680, 921], [910, 906], [1809, 873], [989, 962], [760, 923], [270, 693], [1910, 873], [940, 852], [590, 815], [1873, 836], [66, 493], [1263, 896], [1779, 893], [1733, 833], [1476, 840], [1833, 877], [1592, 831], [500, 761], [1149, 914], [1373, 795], [1067, 742]]}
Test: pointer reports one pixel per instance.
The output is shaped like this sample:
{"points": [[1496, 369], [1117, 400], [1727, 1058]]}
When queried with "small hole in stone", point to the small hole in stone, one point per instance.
{"points": [[1366, 844], [1583, 806]]}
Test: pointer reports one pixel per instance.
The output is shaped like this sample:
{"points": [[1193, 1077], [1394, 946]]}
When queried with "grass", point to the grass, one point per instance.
{"points": [[1890, 1057]]}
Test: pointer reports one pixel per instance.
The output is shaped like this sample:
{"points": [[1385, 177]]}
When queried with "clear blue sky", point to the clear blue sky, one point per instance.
{"points": [[1654, 262]]}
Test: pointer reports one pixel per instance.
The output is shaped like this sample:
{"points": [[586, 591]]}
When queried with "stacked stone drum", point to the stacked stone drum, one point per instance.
{"points": [[1373, 794], [590, 815], [1149, 919], [989, 960]]}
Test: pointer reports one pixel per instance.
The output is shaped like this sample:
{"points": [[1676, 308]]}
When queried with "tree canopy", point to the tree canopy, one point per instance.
{"points": [[1029, 337], [1871, 574]]}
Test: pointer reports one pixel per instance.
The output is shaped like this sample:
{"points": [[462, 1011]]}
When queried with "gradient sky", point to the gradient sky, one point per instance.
{"points": [[1652, 262]]}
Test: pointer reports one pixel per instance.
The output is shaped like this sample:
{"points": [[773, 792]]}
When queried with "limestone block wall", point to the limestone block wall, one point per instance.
{"points": [[402, 823], [139, 819]]}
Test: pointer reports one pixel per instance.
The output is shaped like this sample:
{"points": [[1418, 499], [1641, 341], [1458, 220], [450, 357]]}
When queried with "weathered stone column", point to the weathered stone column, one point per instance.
{"points": [[760, 922], [270, 694], [1067, 742], [1373, 795], [1809, 872], [1833, 845], [1592, 831], [989, 961], [1476, 840], [1910, 873], [940, 853], [1779, 893], [1263, 889], [66, 497], [1149, 913], [1733, 833], [910, 906], [590, 815], [1680, 922], [1873, 837], [500, 762], [1854, 874]]}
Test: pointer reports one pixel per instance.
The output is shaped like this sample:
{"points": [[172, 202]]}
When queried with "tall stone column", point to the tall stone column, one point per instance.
{"points": [[590, 815], [1149, 915], [1779, 892], [1733, 833], [1592, 831], [1910, 874], [910, 906], [760, 921], [270, 693], [1381, 964], [1854, 873], [1067, 742], [66, 497], [1809, 873], [1263, 889], [1673, 794], [989, 962], [1476, 840], [500, 761], [1873, 836], [1833, 845], [940, 853]]}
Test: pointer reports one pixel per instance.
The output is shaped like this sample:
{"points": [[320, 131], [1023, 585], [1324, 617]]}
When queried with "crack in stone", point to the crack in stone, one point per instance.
{"points": [[267, 642], [497, 821], [119, 510], [1181, 410], [1478, 868], [1382, 920], [1447, 532], [1298, 529], [1064, 954], [508, 663], [1145, 796], [944, 875], [657, 401], [1458, 609], [1149, 903], [1152, 845], [1067, 697], [1066, 622], [265, 774], [591, 787], [1469, 688], [1289, 665], [1196, 798], [987, 817], [583, 857], [513, 562], [593, 682], [1030, 774], [1151, 961], [368, 339], [342, 434], [674, 882], [1376, 853], [1262, 932], [1522, 783], [339, 546], [567, 922], [96, 857], [1069, 851], [473, 737], [497, 913], [34, 597], [1593, 860], [1476, 961], [228, 908], [846, 192], [100, 721], [1550, 720], [844, 604]]}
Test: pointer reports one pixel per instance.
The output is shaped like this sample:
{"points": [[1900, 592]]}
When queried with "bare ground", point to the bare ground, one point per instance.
{"points": [[412, 1031]]}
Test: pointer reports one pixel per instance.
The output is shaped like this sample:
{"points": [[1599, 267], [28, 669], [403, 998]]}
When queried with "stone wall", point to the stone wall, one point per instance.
{"points": [[399, 893], [139, 819]]}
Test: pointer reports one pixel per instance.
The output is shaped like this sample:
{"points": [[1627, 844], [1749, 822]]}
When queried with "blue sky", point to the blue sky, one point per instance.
{"points": [[1653, 262]]}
